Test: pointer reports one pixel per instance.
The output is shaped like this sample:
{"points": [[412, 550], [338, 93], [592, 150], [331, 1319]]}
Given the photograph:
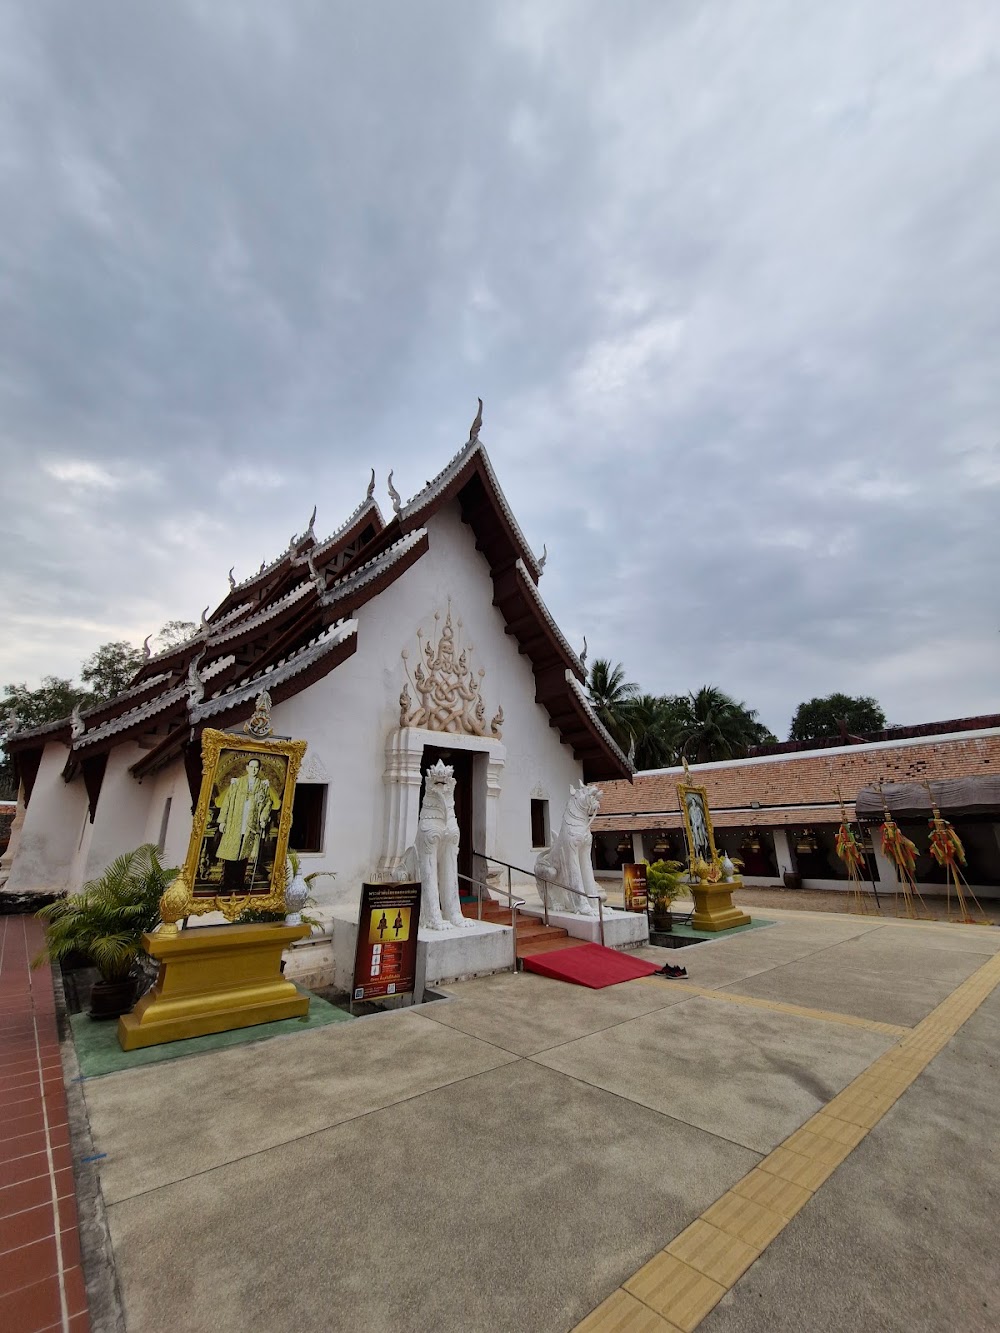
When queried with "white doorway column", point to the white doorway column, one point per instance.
{"points": [[404, 750], [638, 853]]}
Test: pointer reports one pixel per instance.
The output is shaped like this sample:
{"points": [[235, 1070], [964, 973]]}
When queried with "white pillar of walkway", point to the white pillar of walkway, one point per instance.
{"points": [[782, 851], [638, 854]]}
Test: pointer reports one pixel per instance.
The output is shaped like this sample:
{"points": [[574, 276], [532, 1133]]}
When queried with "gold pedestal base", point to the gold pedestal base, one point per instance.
{"points": [[213, 979], [714, 908]]}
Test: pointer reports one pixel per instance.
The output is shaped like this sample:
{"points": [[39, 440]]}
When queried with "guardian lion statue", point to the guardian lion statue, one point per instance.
{"points": [[568, 859], [433, 858]]}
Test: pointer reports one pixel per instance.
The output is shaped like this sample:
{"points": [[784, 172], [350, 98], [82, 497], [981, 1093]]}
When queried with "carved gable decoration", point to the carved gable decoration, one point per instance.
{"points": [[444, 691], [313, 769]]}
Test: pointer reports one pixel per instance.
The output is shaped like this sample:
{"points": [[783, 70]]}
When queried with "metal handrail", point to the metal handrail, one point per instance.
{"points": [[515, 903], [595, 897]]}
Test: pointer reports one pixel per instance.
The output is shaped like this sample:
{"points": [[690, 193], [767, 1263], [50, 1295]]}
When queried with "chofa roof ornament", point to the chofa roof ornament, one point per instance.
{"points": [[477, 425], [371, 487], [77, 726], [545, 556], [397, 503]]}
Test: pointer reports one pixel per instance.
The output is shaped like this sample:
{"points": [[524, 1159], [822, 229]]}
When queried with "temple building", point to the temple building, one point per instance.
{"points": [[386, 645], [779, 809]]}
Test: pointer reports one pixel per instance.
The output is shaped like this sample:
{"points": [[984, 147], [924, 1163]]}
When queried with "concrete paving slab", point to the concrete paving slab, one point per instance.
{"points": [[879, 991], [902, 1237], [749, 1075], [528, 1013], [964, 939], [730, 959], [515, 1199], [164, 1122], [912, 957]]}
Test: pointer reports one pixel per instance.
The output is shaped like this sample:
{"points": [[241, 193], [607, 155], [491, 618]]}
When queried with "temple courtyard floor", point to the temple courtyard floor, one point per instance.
{"points": [[802, 1136]]}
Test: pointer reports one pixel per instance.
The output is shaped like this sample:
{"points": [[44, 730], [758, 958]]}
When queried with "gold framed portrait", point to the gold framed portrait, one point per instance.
{"points": [[697, 823], [239, 837]]}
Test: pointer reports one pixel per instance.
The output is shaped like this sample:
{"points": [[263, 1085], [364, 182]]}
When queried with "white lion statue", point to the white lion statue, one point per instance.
{"points": [[433, 858], [568, 859]]}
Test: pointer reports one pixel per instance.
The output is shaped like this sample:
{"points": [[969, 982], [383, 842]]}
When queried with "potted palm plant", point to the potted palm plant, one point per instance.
{"points": [[664, 883], [105, 923]]}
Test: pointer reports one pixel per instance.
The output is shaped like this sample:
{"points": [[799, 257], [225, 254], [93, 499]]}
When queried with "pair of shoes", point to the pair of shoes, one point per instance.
{"points": [[668, 970]]}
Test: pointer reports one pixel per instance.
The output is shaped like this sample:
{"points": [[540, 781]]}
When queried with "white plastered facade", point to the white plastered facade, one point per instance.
{"points": [[351, 721]]}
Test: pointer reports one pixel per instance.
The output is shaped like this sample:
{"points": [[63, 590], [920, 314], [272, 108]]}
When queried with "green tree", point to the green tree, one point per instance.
{"points": [[716, 726], [612, 697], [175, 632], [108, 670], [53, 699], [819, 718], [655, 723]]}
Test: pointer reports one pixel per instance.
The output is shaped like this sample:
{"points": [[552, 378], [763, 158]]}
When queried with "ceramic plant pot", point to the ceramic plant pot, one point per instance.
{"points": [[111, 999]]}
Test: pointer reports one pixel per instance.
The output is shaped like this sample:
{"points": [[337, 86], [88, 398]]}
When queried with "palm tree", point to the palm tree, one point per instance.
{"points": [[716, 726], [612, 697], [655, 722]]}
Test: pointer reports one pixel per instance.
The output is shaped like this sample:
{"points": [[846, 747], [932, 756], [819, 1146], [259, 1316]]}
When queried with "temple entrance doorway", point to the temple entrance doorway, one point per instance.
{"points": [[461, 762]]}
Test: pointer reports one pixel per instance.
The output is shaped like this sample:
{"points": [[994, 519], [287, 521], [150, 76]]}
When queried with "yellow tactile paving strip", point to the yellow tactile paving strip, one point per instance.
{"points": [[680, 1285], [778, 1007]]}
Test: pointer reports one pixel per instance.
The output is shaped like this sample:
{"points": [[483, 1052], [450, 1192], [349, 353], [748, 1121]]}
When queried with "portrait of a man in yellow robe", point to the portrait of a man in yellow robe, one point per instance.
{"points": [[244, 816]]}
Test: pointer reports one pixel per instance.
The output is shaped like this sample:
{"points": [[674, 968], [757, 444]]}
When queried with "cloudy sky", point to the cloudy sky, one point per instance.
{"points": [[726, 275]]}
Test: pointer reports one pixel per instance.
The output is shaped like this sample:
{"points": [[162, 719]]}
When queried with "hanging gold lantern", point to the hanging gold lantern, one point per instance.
{"points": [[753, 841], [807, 842]]}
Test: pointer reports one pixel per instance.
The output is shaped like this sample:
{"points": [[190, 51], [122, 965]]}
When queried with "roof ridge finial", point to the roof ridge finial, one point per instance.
{"points": [[583, 655], [232, 581], [397, 504], [195, 683], [311, 529], [77, 726], [545, 556], [318, 579], [371, 487], [147, 652], [477, 425]]}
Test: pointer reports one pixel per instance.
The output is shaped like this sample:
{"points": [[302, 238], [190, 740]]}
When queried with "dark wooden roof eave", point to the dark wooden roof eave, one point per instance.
{"points": [[242, 708]]}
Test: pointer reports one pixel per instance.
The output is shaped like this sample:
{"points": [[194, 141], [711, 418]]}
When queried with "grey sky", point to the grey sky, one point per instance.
{"points": [[727, 277]]}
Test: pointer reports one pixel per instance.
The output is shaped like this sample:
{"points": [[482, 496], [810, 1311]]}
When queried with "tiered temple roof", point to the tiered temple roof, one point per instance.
{"points": [[294, 621]]}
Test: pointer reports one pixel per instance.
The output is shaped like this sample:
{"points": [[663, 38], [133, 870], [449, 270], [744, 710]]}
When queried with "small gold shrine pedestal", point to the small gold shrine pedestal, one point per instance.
{"points": [[714, 908], [213, 979]]}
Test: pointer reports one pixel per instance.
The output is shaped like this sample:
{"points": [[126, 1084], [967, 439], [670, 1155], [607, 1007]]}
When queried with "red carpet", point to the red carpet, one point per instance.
{"points": [[590, 965]]}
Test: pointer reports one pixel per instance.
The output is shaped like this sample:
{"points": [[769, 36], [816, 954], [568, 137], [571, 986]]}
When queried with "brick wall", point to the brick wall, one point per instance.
{"points": [[805, 779]]}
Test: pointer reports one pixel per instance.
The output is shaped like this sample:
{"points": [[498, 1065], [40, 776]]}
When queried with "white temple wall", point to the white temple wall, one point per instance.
{"points": [[347, 719], [169, 784], [120, 817], [53, 828], [348, 716]]}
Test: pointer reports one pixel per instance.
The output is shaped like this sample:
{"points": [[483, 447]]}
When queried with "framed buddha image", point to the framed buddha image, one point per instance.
{"points": [[697, 823], [239, 837]]}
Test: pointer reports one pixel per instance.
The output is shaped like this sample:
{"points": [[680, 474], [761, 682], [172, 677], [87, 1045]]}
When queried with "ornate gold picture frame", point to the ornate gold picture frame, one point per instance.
{"points": [[239, 837], [697, 823]]}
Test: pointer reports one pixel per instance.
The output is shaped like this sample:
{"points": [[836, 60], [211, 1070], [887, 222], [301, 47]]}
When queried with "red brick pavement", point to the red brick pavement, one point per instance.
{"points": [[41, 1281]]}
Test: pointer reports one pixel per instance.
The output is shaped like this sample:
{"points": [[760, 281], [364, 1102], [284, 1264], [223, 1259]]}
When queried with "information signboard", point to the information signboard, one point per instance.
{"points": [[634, 886], [385, 961]]}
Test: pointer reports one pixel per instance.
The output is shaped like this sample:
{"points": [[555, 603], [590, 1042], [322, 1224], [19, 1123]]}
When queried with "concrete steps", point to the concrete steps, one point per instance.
{"points": [[533, 936]]}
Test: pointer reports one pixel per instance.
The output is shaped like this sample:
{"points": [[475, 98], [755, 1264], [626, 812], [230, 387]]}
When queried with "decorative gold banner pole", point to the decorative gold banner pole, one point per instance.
{"points": [[853, 857], [902, 852], [947, 850]]}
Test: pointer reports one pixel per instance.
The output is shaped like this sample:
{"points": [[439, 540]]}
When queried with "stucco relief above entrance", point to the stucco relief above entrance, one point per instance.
{"points": [[447, 686]]}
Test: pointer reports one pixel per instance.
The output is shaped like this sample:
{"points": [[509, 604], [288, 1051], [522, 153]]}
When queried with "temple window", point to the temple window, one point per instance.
{"points": [[307, 817], [539, 823], [165, 820]]}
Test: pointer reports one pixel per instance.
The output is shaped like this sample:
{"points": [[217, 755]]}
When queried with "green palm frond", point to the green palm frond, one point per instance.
{"points": [[107, 919]]}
